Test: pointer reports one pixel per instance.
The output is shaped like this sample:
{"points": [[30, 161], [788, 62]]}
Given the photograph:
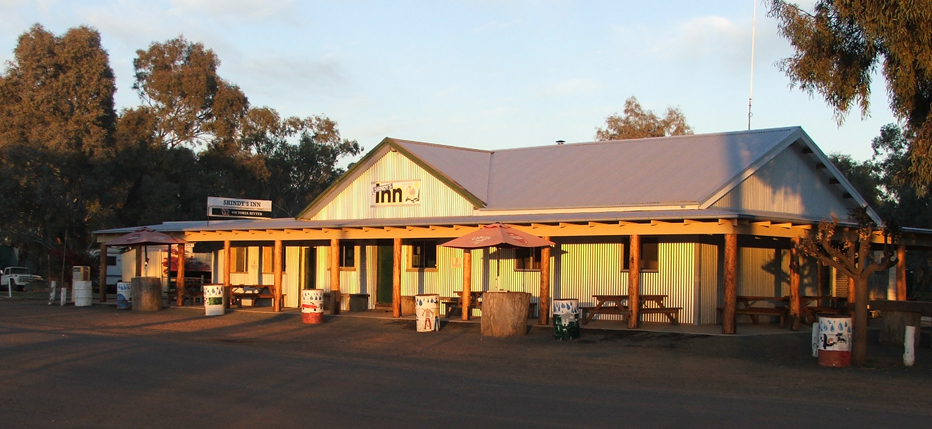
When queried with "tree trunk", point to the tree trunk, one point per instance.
{"points": [[504, 314], [859, 326]]}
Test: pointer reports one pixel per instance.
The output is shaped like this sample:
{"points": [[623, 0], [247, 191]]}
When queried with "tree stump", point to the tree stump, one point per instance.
{"points": [[147, 293], [504, 314]]}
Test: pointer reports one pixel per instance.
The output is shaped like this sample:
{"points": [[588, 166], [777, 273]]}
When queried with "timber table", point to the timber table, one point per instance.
{"points": [[618, 304], [746, 305], [454, 304], [252, 291]]}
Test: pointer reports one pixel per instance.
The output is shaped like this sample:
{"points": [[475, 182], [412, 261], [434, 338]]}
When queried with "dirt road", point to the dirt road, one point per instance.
{"points": [[100, 367]]}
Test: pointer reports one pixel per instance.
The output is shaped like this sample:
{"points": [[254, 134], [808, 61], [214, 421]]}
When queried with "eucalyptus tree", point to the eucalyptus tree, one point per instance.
{"points": [[637, 123]]}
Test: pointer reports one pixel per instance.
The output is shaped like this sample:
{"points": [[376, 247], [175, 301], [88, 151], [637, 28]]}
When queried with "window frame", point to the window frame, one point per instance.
{"points": [[523, 255], [234, 259], [347, 249], [651, 245], [424, 244]]}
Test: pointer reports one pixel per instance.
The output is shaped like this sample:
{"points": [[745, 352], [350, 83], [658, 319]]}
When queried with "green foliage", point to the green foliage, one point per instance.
{"points": [[840, 44], [637, 123]]}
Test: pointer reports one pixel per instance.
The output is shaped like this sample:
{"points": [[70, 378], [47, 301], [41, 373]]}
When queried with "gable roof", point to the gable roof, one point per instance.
{"points": [[682, 172]]}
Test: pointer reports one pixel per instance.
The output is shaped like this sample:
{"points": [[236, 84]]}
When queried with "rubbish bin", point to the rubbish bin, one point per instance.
{"points": [[213, 300], [312, 306], [834, 340], [565, 319], [83, 293], [124, 296], [428, 312]]}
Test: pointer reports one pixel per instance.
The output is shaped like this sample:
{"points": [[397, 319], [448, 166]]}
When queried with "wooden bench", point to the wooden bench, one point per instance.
{"points": [[755, 312], [237, 297], [672, 313], [587, 312], [453, 306]]}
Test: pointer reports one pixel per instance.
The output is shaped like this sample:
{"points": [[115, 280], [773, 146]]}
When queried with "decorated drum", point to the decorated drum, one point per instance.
{"points": [[427, 309], [124, 296], [213, 300], [83, 293], [312, 306], [565, 319], [835, 340]]}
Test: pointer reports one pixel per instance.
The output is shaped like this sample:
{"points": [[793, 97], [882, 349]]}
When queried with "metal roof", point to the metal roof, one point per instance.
{"points": [[669, 171]]}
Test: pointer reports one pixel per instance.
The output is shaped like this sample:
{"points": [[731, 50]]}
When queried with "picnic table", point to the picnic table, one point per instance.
{"points": [[747, 305], [618, 304], [254, 292], [454, 304]]}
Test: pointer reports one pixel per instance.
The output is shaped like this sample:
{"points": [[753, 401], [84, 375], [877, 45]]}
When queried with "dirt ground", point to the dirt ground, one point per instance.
{"points": [[686, 376]]}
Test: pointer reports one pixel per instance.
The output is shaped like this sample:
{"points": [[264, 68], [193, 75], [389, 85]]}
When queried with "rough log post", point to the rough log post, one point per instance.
{"points": [[103, 273], [147, 293], [543, 305], [396, 278], [227, 269], [731, 284], [901, 273], [179, 276], [277, 276], [335, 276], [467, 284], [504, 314], [139, 253], [634, 281], [794, 285]]}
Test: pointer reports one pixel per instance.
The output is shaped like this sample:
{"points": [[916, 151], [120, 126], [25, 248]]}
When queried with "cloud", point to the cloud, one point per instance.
{"points": [[244, 10]]}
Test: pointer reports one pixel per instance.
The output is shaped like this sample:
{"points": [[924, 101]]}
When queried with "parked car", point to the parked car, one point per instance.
{"points": [[16, 278]]}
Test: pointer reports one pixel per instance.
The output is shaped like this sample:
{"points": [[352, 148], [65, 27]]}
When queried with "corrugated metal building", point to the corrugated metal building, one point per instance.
{"points": [[680, 196]]}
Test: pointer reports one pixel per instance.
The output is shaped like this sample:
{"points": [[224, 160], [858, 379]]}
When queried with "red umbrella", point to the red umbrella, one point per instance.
{"points": [[145, 237], [497, 234]]}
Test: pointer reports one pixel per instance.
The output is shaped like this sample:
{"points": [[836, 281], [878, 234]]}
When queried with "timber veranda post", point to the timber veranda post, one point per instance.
{"points": [[227, 269], [634, 281], [179, 275], [103, 273], [794, 285], [396, 277], [335, 276], [543, 305], [731, 283], [901, 272], [466, 295], [277, 276]]}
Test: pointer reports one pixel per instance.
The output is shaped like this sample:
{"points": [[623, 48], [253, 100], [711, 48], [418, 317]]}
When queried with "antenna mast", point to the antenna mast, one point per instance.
{"points": [[753, 35]]}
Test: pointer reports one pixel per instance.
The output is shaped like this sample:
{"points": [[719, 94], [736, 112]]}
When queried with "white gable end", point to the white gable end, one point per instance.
{"points": [[790, 183], [407, 191]]}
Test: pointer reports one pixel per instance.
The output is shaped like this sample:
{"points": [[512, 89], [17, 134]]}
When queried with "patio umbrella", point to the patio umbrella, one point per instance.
{"points": [[498, 235], [143, 237]]}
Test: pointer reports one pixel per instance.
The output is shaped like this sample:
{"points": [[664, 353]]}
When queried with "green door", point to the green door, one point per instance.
{"points": [[383, 277]]}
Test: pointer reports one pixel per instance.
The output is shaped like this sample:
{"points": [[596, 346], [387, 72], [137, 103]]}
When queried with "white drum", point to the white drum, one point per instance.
{"points": [[83, 293], [835, 341], [213, 300], [427, 309], [124, 296]]}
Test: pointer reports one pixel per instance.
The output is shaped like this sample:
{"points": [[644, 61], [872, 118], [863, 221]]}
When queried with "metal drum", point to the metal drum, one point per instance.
{"points": [[83, 293], [124, 296], [834, 340], [565, 319], [213, 300], [312, 306], [427, 309]]}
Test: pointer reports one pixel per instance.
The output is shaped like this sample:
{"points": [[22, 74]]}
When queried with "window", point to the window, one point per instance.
{"points": [[240, 259], [423, 255], [111, 261], [650, 255], [347, 256], [267, 260], [527, 259]]}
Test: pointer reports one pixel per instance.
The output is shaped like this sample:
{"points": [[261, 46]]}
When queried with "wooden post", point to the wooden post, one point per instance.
{"points": [[396, 278], [103, 273], [731, 284], [138, 262], [901, 272], [794, 285], [277, 276], [227, 269], [179, 277], [634, 281], [466, 295], [335, 276], [543, 305]]}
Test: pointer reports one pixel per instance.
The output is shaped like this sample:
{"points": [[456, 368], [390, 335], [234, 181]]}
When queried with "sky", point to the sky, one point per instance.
{"points": [[481, 74]]}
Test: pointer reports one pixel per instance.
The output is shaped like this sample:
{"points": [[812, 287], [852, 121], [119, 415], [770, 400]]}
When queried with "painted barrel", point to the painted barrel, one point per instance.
{"points": [[124, 296], [312, 306], [213, 300], [83, 293], [427, 310], [835, 340], [565, 319]]}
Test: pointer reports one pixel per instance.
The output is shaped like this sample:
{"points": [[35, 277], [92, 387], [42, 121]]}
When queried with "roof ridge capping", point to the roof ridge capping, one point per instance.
{"points": [[444, 146]]}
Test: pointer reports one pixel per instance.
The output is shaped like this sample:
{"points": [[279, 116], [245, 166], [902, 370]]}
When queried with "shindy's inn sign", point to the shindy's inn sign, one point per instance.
{"points": [[406, 192], [237, 208]]}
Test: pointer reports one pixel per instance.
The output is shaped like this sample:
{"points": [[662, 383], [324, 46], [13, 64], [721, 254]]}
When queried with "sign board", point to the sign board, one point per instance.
{"points": [[237, 208], [396, 193]]}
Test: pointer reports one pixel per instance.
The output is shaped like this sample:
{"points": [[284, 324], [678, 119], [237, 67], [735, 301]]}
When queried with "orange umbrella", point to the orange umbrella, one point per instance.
{"points": [[497, 234]]}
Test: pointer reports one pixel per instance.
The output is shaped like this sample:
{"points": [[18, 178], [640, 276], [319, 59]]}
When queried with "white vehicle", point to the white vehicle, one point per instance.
{"points": [[16, 278]]}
